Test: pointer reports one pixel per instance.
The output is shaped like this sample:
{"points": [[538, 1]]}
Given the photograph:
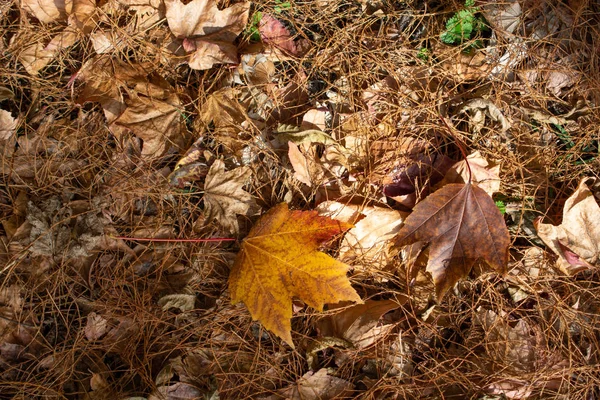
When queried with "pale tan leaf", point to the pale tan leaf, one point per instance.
{"points": [[184, 302], [486, 176], [207, 53], [318, 385], [224, 197], [8, 125], [46, 10], [203, 17], [576, 240], [370, 238], [96, 326]]}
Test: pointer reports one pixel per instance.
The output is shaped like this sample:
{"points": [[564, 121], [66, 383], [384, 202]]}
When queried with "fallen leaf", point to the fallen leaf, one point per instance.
{"points": [[8, 125], [279, 260], [576, 240], [158, 122], [357, 324], [462, 225], [206, 31], [96, 326], [177, 391], [369, 240], [183, 302], [273, 32], [306, 169], [46, 10], [224, 197], [318, 385], [481, 172]]}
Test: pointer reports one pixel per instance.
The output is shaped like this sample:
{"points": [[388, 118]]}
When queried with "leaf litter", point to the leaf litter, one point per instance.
{"points": [[147, 146]]}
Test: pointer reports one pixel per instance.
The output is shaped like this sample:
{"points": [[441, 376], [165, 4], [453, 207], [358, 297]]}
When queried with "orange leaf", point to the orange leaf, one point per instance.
{"points": [[462, 225], [279, 260]]}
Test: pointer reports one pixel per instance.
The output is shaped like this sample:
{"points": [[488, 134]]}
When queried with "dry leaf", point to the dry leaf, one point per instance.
{"points": [[273, 32], [8, 125], [576, 240], [82, 18], [306, 169], [224, 197], [485, 176], [462, 225], [96, 326], [183, 302], [206, 31], [279, 260], [369, 240], [318, 386], [158, 122], [177, 391], [356, 324], [46, 10]]}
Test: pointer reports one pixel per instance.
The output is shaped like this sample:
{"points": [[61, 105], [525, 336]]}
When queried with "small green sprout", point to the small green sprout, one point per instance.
{"points": [[423, 54], [464, 25]]}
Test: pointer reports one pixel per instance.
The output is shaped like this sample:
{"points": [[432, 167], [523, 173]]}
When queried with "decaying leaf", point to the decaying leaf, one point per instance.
{"points": [[177, 391], [576, 240], [206, 31], [462, 225], [279, 260], [224, 197]]}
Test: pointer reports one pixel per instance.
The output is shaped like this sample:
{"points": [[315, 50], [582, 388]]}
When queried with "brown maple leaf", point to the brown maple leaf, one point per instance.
{"points": [[462, 225], [279, 260]]}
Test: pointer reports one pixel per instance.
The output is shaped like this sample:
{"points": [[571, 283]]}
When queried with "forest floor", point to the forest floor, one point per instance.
{"points": [[132, 131]]}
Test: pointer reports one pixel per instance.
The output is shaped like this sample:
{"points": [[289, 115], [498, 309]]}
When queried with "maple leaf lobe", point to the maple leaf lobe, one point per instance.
{"points": [[462, 225], [279, 260]]}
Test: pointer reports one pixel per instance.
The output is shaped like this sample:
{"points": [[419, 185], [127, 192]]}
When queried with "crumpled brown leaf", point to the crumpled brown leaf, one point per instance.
{"points": [[576, 240], [318, 385], [134, 103], [206, 31], [81, 19], [224, 197]]}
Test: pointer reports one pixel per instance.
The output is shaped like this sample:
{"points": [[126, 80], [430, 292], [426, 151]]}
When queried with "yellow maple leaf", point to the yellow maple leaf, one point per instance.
{"points": [[279, 260]]}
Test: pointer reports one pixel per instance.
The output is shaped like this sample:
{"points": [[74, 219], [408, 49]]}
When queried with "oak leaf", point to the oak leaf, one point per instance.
{"points": [[224, 197], [279, 260], [462, 225]]}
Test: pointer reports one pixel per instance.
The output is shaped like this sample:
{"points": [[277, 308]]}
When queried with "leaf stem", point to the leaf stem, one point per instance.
{"points": [[145, 239], [461, 146]]}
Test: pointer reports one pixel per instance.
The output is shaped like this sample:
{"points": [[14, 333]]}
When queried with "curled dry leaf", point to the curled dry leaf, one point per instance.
{"points": [[279, 260], [81, 19], [576, 240], [462, 225], [8, 125], [206, 31], [224, 197]]}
